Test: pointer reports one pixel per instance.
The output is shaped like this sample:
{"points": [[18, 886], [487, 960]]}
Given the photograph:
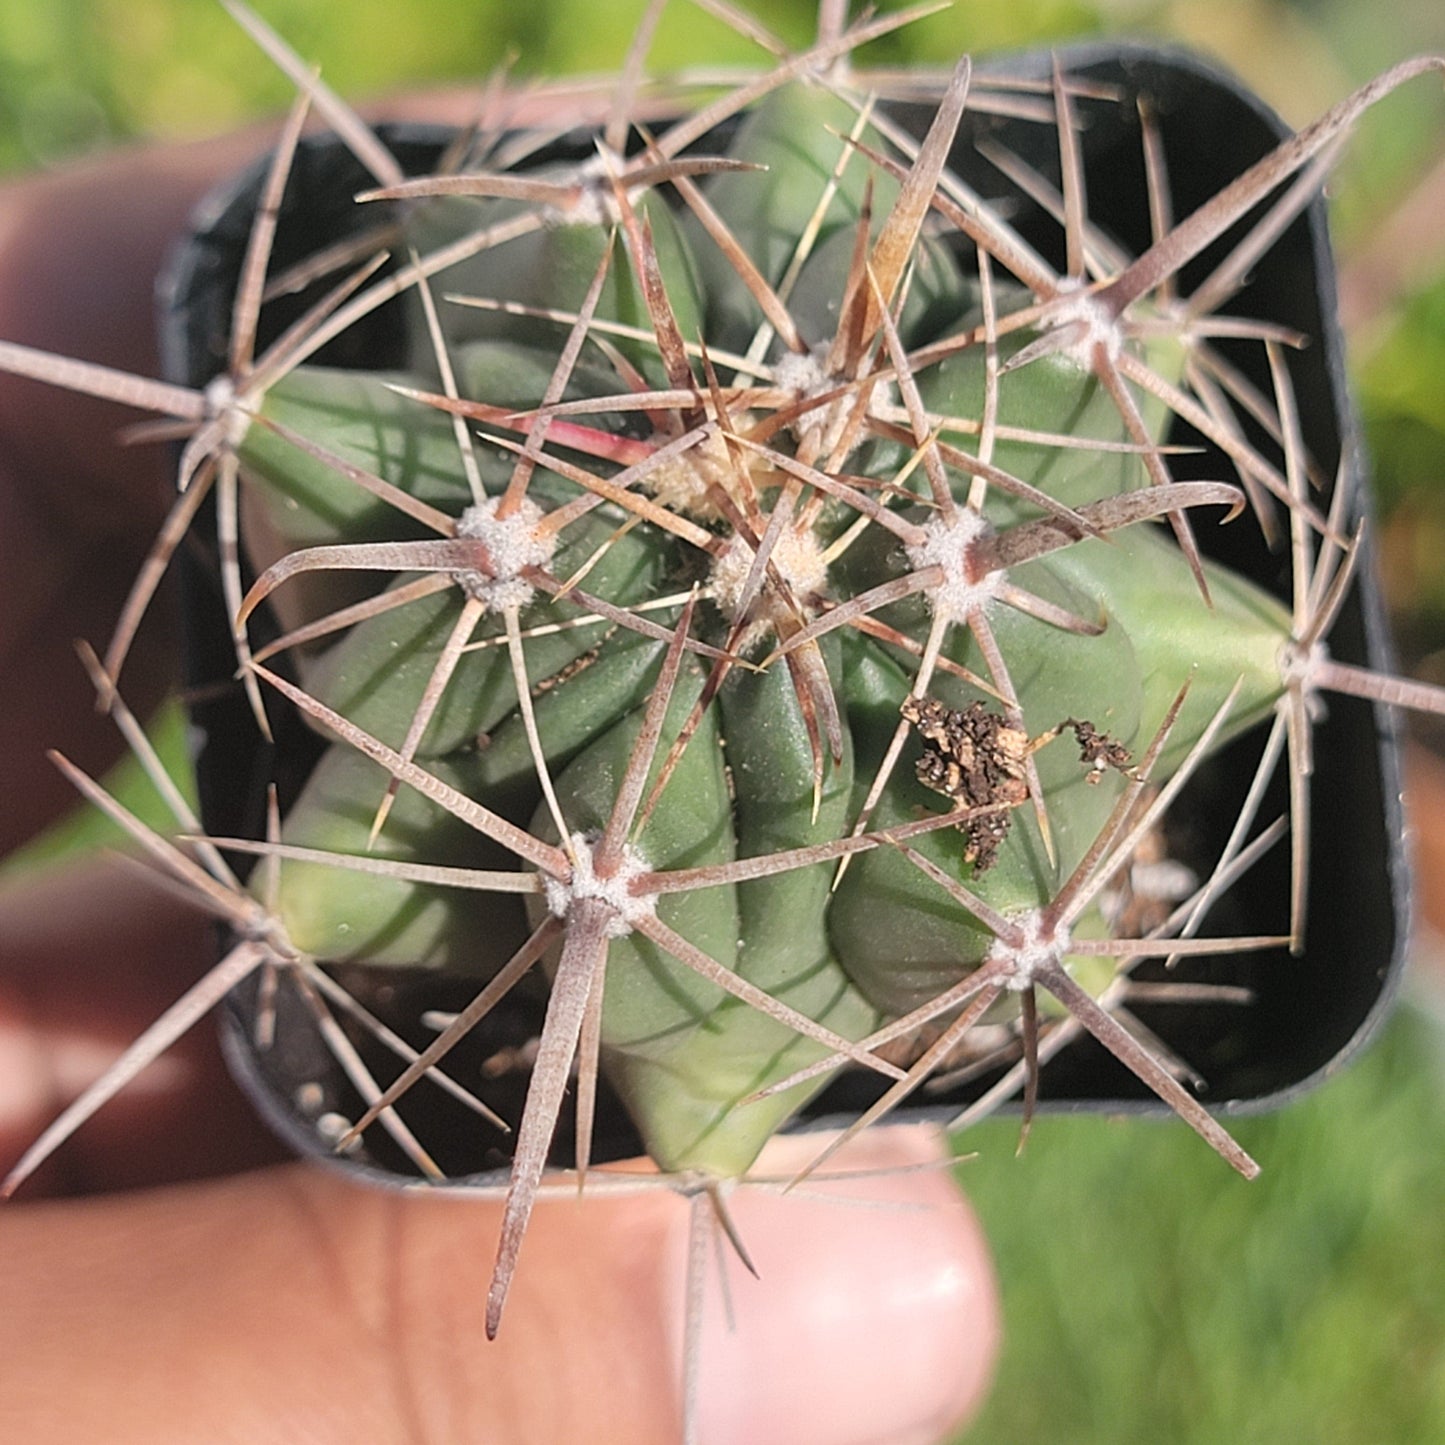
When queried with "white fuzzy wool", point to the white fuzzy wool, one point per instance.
{"points": [[1082, 325], [513, 544], [1040, 946], [626, 907], [946, 544], [222, 403], [806, 376], [683, 482], [796, 557], [801, 372]]}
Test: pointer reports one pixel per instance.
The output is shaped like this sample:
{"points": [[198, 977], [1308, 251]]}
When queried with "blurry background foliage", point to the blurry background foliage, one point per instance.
{"points": [[1150, 1295]]}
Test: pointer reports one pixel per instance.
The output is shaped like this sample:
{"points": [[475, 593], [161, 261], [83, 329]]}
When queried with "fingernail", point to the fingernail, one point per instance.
{"points": [[875, 1319]]}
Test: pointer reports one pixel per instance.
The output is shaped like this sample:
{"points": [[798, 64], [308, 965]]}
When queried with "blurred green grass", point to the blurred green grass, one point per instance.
{"points": [[1149, 1294]]}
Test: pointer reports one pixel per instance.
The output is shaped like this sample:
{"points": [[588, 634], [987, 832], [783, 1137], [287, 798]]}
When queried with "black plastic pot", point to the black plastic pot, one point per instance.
{"points": [[1308, 1015]]}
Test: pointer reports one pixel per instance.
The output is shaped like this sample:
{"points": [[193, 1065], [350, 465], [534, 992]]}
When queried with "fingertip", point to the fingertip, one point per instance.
{"points": [[876, 1319]]}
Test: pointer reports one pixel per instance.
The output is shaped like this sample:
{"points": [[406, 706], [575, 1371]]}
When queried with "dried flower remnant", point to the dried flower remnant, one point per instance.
{"points": [[977, 759]]}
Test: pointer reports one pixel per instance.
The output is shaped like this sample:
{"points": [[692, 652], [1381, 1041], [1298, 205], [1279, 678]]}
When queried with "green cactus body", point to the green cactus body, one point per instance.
{"points": [[552, 270], [684, 1056]]}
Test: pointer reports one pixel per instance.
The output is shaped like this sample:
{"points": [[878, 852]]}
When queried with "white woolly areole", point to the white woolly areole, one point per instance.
{"points": [[946, 544], [682, 482], [513, 544], [1023, 961], [801, 372], [1298, 665], [595, 203], [595, 206], [1082, 324], [221, 402], [626, 907], [796, 557], [806, 375]]}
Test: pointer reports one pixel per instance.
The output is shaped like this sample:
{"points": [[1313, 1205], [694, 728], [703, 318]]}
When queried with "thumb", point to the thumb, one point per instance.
{"points": [[875, 1317], [292, 1300]]}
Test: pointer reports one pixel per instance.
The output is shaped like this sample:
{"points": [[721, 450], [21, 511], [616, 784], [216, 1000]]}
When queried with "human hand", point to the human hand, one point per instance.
{"points": [[163, 1294]]}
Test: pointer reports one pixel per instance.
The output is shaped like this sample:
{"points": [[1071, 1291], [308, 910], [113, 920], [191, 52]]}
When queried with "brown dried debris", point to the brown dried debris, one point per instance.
{"points": [[979, 760]]}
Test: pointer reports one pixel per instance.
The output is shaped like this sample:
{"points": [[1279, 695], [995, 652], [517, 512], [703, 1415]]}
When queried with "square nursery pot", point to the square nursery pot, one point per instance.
{"points": [[1306, 1015]]}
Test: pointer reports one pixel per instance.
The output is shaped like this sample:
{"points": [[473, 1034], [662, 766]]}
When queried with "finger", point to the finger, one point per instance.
{"points": [[875, 1318], [290, 1303], [89, 956], [49, 600], [80, 250], [1425, 792]]}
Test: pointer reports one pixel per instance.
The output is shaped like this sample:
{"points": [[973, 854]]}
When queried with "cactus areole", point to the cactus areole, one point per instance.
{"points": [[773, 549]]}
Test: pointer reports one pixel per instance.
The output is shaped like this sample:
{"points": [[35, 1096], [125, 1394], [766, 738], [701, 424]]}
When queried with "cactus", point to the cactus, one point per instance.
{"points": [[760, 598]]}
